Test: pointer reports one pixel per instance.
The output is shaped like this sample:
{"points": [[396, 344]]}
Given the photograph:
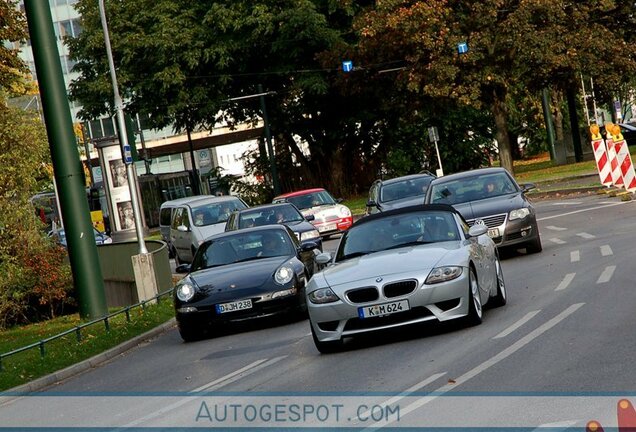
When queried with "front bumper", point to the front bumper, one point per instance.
{"points": [[510, 232], [444, 301], [334, 226], [206, 316]]}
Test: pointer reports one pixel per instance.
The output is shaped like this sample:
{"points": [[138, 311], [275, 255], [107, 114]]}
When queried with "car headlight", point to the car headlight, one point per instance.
{"points": [[283, 275], [313, 234], [519, 213], [345, 212], [323, 295], [185, 292], [443, 274]]}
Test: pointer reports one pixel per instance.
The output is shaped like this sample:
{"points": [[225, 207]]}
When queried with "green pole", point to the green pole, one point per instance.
{"points": [[69, 176], [547, 115], [270, 149]]}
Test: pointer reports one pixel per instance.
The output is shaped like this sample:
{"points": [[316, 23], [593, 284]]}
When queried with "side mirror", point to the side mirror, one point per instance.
{"points": [[183, 268], [308, 246], [371, 203], [528, 186], [323, 258], [310, 217], [183, 228], [477, 230], [339, 200]]}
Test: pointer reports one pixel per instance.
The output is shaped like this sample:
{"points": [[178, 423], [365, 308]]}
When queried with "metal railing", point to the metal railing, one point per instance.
{"points": [[41, 345]]}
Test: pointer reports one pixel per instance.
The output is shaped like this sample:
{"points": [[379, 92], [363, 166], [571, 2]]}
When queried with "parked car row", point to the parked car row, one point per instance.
{"points": [[427, 250]]}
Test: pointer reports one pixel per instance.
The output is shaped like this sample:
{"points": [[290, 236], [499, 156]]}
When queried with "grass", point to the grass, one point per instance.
{"points": [[66, 351]]}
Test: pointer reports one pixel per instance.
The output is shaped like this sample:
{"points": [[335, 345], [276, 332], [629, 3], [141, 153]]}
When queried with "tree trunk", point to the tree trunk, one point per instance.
{"points": [[501, 135]]}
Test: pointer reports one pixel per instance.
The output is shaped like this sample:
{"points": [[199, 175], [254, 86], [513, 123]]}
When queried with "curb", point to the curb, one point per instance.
{"points": [[558, 193], [84, 365]]}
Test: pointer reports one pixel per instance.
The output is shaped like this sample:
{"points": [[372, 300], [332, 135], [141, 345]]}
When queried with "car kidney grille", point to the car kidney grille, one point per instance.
{"points": [[401, 288], [363, 295], [490, 221]]}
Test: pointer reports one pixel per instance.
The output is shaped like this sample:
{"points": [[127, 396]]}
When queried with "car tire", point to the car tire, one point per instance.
{"points": [[325, 347], [534, 246], [475, 308], [501, 298], [189, 333]]}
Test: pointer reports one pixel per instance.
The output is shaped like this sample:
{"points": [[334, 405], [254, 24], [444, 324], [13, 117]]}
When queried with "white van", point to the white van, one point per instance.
{"points": [[195, 220], [166, 211]]}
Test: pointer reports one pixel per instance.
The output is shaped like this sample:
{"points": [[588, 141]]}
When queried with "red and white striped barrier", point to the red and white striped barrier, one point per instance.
{"points": [[617, 177], [624, 160], [600, 154]]}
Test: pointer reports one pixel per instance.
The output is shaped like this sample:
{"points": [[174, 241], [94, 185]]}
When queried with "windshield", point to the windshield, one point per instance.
{"points": [[313, 199], [404, 189], [279, 214], [472, 189], [243, 247], [397, 231], [214, 213]]}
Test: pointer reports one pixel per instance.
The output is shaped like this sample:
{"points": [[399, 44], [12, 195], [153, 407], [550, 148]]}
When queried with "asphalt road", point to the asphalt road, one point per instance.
{"points": [[566, 332]]}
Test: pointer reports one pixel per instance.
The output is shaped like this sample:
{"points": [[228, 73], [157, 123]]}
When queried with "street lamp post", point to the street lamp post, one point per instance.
{"points": [[125, 146]]}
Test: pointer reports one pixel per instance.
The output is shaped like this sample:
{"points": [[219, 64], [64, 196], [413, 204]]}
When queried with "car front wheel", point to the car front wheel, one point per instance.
{"points": [[534, 246], [326, 347], [475, 310], [189, 333], [501, 297]]}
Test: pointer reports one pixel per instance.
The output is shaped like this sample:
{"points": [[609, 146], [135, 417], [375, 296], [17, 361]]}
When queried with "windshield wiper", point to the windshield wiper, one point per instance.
{"points": [[356, 254], [411, 243]]}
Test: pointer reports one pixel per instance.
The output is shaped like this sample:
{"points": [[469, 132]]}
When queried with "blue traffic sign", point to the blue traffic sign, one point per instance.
{"points": [[462, 47], [347, 66]]}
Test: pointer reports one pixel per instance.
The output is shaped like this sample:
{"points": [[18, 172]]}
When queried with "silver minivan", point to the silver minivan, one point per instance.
{"points": [[166, 211], [195, 220]]}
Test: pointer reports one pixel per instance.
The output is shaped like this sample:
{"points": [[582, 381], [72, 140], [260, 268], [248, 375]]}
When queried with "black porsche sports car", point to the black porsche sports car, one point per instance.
{"points": [[238, 275]]}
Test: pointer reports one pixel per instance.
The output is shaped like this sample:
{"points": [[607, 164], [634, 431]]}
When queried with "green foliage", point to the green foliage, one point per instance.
{"points": [[66, 351], [13, 30], [34, 280]]}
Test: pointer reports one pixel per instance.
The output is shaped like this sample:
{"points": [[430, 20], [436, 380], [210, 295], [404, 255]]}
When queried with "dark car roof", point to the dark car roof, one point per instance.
{"points": [[406, 177], [266, 206], [273, 227], [410, 209], [469, 174]]}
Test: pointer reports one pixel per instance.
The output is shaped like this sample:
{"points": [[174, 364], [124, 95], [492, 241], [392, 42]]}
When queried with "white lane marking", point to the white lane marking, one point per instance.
{"points": [[575, 256], [213, 385], [483, 366], [557, 240], [556, 426], [567, 280], [556, 228], [586, 235], [527, 317], [407, 392], [567, 203], [606, 275], [606, 250], [584, 210]]}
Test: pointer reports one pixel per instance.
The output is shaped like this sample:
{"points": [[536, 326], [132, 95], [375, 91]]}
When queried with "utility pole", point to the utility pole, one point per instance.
{"points": [[268, 138], [125, 146], [68, 172]]}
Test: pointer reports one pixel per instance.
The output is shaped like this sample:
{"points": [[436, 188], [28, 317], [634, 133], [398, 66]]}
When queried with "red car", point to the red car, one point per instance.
{"points": [[329, 216]]}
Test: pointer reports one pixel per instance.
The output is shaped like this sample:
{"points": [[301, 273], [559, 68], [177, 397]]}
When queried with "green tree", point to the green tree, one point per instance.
{"points": [[510, 43], [13, 31]]}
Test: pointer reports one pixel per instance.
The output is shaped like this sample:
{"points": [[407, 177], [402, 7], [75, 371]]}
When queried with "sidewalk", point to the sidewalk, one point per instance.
{"points": [[583, 184]]}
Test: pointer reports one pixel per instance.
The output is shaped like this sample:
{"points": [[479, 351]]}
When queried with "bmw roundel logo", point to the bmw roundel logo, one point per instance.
{"points": [[378, 279]]}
